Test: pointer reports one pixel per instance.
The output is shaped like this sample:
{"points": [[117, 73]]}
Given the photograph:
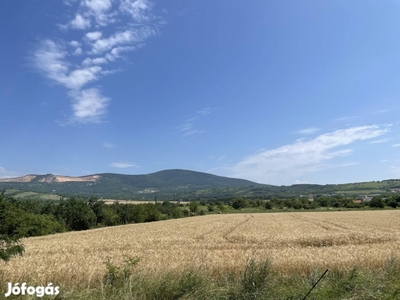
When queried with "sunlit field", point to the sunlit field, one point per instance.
{"points": [[295, 243]]}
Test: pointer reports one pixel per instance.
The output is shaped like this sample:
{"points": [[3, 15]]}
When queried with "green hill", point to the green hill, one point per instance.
{"points": [[166, 184], [178, 184]]}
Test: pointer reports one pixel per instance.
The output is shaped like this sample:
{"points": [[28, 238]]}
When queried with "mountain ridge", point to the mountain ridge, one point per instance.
{"points": [[169, 175], [166, 183], [180, 184]]}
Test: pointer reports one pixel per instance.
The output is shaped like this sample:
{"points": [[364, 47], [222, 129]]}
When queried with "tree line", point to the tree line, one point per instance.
{"points": [[32, 217], [335, 201]]}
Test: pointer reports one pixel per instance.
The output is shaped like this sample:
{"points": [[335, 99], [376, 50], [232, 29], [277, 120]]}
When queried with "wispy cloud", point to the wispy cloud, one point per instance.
{"points": [[288, 162], [394, 171], [90, 55], [4, 173], [188, 128], [123, 165], [108, 145], [307, 131], [396, 145], [380, 141], [205, 111], [352, 118]]}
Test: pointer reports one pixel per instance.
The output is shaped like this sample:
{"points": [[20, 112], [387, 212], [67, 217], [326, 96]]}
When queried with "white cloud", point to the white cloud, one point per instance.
{"points": [[56, 58], [136, 8], [97, 6], [78, 51], [94, 35], [130, 36], [102, 45], [80, 22], [51, 58], [396, 145], [302, 157], [94, 61], [75, 44], [88, 105], [80, 77], [122, 165]]}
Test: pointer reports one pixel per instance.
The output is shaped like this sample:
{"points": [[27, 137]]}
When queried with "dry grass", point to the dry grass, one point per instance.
{"points": [[295, 242]]}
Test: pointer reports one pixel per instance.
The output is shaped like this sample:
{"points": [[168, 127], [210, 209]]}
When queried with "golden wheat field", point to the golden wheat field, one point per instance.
{"points": [[295, 242]]}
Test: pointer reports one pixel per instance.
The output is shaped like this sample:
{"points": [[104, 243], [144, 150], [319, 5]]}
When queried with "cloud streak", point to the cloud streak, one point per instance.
{"points": [[108, 145], [122, 165], [4, 173], [307, 131], [188, 128], [91, 54], [302, 157]]}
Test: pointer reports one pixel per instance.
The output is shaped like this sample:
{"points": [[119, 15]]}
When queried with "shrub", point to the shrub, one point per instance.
{"points": [[117, 276]]}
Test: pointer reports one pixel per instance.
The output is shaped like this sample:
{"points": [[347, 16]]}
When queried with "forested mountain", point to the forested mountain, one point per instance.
{"points": [[180, 185], [174, 183]]}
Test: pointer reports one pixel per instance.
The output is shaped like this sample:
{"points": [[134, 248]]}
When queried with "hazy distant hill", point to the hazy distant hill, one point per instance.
{"points": [[167, 183], [179, 184], [187, 178]]}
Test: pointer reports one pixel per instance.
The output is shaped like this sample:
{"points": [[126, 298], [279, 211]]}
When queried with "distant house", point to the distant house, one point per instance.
{"points": [[357, 201], [366, 198]]}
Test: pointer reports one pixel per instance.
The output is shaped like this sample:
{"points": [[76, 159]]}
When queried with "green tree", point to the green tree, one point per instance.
{"points": [[376, 202], [110, 217], [151, 213], [297, 204], [323, 201], [193, 206], [210, 207], [393, 201], [77, 214], [97, 207], [9, 247], [268, 205], [239, 203], [9, 241]]}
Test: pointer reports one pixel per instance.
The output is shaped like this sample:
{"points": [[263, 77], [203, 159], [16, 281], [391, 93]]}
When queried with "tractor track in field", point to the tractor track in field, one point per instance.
{"points": [[327, 225], [228, 232]]}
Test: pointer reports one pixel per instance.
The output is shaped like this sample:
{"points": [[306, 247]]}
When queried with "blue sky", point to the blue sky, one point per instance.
{"points": [[277, 92]]}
